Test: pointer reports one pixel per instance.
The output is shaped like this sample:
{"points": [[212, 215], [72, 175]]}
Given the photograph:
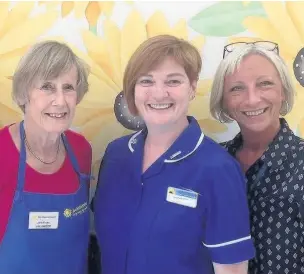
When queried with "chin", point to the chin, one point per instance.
{"points": [[256, 127], [59, 128]]}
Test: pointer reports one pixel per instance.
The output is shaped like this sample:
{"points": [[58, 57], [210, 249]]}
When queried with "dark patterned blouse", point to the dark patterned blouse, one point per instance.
{"points": [[275, 190]]}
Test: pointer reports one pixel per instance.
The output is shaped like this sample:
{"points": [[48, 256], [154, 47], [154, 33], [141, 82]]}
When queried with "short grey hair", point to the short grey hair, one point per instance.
{"points": [[44, 61], [232, 62]]}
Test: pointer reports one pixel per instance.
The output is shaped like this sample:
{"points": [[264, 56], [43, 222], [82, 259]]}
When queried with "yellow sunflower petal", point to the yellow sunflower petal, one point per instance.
{"points": [[212, 126], [295, 11], [134, 24], [6, 94], [97, 126], [9, 61], [198, 42], [99, 94], [204, 87], [263, 28], [79, 8], [16, 16], [85, 115], [301, 128], [98, 51], [107, 7], [66, 8], [157, 25], [27, 32], [8, 115], [113, 42], [199, 107], [92, 12], [109, 130], [283, 24], [243, 39], [180, 29], [4, 12]]}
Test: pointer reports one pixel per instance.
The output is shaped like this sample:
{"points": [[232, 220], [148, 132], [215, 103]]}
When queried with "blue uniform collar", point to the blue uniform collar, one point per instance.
{"points": [[184, 146]]}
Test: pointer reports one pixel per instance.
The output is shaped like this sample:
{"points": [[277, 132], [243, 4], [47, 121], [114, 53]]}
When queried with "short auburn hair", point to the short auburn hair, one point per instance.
{"points": [[151, 53]]}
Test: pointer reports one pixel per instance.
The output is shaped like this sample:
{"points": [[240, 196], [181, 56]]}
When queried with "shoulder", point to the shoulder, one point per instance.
{"points": [[120, 147], [297, 150], [4, 134], [216, 153], [77, 140], [6, 142]]}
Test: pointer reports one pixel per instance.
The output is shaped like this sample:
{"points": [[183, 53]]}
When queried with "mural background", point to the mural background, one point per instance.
{"points": [[105, 34]]}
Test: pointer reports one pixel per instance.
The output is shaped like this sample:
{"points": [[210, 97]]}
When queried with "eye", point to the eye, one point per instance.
{"points": [[145, 82], [47, 87], [68, 87], [173, 82], [237, 88], [266, 83]]}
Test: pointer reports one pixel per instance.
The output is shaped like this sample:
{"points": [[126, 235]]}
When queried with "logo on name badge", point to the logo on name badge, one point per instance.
{"points": [[183, 197]]}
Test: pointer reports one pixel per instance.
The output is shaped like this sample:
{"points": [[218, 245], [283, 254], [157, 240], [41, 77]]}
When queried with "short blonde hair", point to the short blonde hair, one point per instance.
{"points": [[232, 62], [152, 52], [47, 60]]}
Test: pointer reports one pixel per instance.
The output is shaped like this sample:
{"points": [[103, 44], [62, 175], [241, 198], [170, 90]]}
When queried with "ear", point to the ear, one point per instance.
{"points": [[193, 87]]}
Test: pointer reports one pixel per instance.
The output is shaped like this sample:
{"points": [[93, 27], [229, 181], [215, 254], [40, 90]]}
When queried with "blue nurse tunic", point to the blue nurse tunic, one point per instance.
{"points": [[187, 210]]}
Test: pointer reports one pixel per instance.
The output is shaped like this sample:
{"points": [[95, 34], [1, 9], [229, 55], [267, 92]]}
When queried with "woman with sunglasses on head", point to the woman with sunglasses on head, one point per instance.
{"points": [[169, 199], [252, 87]]}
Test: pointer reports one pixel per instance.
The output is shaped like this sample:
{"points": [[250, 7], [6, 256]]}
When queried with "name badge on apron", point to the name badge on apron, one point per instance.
{"points": [[43, 220], [182, 197]]}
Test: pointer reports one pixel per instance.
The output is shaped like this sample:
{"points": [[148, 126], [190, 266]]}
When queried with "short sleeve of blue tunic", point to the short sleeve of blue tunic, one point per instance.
{"points": [[226, 234], [141, 231]]}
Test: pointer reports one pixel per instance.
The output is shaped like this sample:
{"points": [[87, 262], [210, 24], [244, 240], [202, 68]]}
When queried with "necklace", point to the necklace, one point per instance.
{"points": [[37, 157]]}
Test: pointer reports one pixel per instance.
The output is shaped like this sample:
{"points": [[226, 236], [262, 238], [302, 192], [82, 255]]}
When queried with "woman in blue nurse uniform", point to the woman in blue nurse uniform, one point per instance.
{"points": [[169, 199], [45, 168]]}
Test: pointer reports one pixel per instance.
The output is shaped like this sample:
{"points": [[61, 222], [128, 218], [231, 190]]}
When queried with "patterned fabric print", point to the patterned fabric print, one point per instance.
{"points": [[275, 190]]}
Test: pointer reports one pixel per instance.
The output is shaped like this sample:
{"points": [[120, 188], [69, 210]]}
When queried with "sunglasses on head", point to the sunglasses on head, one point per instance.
{"points": [[268, 45]]}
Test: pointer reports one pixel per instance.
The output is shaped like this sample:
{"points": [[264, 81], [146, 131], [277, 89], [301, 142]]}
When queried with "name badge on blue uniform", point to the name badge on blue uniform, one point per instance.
{"points": [[182, 197]]}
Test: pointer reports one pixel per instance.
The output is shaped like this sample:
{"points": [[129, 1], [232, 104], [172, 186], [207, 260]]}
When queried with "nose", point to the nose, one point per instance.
{"points": [[160, 92], [253, 96], [59, 98]]}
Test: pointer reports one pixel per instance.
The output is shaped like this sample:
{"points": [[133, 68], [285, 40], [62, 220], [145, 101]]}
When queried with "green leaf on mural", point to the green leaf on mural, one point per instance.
{"points": [[225, 18]]}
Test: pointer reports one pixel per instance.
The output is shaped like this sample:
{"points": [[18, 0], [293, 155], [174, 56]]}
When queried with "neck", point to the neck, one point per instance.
{"points": [[164, 136], [259, 141], [43, 143]]}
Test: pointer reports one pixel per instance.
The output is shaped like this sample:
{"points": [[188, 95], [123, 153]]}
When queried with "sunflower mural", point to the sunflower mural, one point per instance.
{"points": [[108, 55], [106, 45], [19, 28]]}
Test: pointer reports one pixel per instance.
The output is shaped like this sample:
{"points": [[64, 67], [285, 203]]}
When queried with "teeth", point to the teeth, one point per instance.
{"points": [[254, 113], [160, 106], [56, 115]]}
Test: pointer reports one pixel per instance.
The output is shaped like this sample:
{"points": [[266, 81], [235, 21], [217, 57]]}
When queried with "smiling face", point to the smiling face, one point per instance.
{"points": [[253, 94], [163, 94], [52, 103]]}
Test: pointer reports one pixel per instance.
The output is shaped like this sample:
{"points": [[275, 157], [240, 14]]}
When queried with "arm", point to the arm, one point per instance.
{"points": [[239, 268], [227, 231]]}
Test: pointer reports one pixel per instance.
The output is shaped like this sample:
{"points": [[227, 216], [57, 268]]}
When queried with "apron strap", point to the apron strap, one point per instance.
{"points": [[22, 162], [72, 157]]}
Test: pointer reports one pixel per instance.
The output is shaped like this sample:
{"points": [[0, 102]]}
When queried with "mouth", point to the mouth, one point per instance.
{"points": [[254, 113], [61, 115], [160, 106]]}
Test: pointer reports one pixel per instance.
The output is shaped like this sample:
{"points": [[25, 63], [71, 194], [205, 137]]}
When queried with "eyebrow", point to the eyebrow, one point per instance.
{"points": [[169, 75]]}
